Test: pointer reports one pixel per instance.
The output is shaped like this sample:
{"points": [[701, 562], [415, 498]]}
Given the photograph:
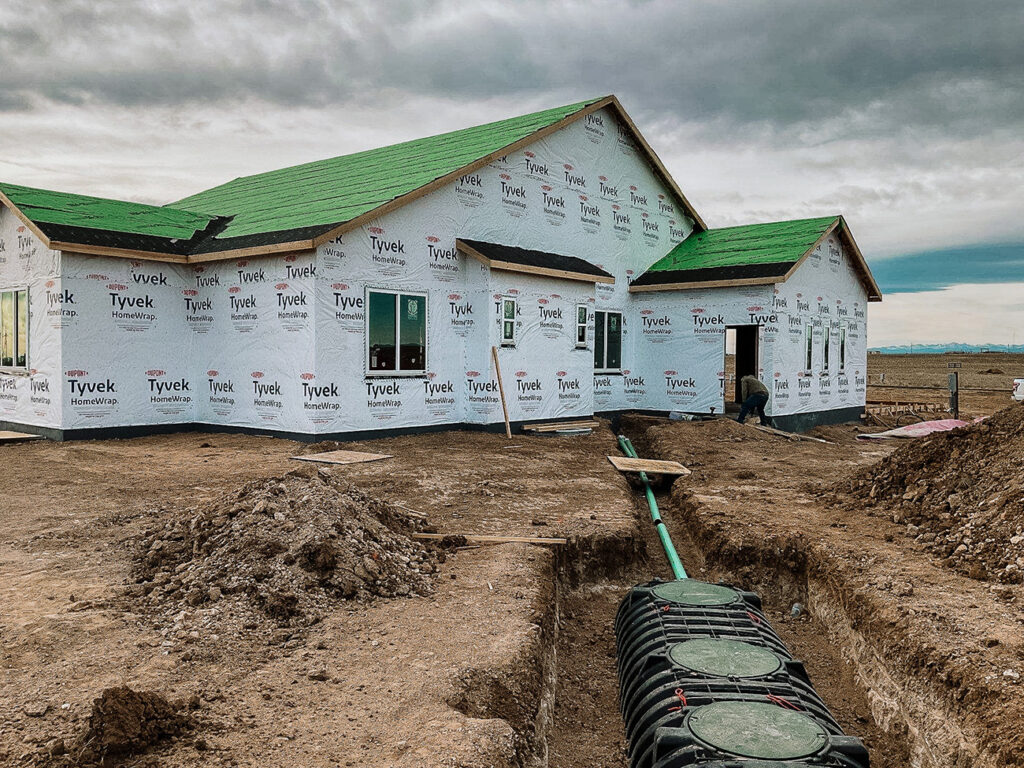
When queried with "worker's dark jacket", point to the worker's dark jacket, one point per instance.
{"points": [[751, 385]]}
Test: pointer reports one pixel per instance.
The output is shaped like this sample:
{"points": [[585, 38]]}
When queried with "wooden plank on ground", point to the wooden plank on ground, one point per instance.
{"points": [[554, 426], [472, 538], [342, 457], [654, 466], [789, 435], [17, 437]]}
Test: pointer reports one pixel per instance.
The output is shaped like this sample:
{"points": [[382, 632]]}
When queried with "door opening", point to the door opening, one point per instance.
{"points": [[741, 359]]}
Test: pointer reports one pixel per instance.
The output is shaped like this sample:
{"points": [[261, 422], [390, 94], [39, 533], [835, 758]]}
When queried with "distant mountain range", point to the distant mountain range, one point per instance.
{"points": [[940, 349]]}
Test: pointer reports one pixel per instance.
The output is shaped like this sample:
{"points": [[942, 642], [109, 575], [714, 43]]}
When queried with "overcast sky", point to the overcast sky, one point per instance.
{"points": [[906, 116]]}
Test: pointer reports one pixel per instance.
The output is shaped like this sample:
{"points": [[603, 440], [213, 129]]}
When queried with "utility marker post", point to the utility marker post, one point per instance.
{"points": [[954, 389]]}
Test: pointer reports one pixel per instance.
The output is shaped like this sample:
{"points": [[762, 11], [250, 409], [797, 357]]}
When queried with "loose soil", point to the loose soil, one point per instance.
{"points": [[960, 494]]}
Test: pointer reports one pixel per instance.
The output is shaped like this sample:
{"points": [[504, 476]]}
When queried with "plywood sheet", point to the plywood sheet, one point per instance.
{"points": [[555, 426], [654, 466], [17, 437], [343, 457]]}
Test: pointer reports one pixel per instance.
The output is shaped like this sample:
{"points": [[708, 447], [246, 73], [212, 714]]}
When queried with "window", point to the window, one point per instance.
{"points": [[581, 325], [607, 342], [842, 347], [396, 332], [828, 348], [508, 321], [808, 347], [14, 329]]}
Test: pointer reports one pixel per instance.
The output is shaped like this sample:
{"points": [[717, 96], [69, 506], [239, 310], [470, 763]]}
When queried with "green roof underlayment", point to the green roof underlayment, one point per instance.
{"points": [[307, 200], [72, 218], [737, 253]]}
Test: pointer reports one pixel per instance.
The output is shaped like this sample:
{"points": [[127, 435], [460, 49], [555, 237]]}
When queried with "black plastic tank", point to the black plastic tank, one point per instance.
{"points": [[704, 680]]}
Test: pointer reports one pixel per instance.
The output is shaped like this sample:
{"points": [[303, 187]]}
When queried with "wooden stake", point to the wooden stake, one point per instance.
{"points": [[501, 391]]}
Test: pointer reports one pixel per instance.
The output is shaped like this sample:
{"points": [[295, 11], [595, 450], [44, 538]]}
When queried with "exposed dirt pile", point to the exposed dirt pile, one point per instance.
{"points": [[959, 493], [283, 549], [123, 722]]}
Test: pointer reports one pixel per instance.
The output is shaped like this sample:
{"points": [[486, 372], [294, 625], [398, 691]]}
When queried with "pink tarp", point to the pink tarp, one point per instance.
{"points": [[918, 430]]}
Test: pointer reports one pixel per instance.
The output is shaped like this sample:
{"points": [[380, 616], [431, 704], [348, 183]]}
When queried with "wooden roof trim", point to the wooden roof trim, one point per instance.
{"points": [[5, 200], [529, 269], [274, 249], [659, 166], [476, 165], [704, 284], [118, 253]]}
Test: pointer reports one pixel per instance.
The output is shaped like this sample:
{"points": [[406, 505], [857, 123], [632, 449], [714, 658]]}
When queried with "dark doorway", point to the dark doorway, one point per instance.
{"points": [[745, 355]]}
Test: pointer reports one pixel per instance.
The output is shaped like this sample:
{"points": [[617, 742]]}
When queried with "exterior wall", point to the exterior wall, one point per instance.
{"points": [[279, 343], [584, 191], [33, 397], [826, 292]]}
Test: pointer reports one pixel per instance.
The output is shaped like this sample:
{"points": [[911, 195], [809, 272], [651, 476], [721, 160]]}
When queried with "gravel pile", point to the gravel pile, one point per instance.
{"points": [[284, 551], [959, 493]]}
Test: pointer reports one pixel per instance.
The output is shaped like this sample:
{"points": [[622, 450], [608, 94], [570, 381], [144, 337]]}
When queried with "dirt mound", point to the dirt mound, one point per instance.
{"points": [[960, 493], [283, 549], [127, 722]]}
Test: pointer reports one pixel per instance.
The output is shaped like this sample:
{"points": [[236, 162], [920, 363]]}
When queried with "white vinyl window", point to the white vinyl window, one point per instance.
{"points": [[581, 326], [842, 347], [509, 310], [808, 347], [607, 342], [396, 333], [827, 365], [14, 328]]}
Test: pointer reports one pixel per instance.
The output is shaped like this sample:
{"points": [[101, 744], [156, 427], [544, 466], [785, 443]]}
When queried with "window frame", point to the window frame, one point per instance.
{"points": [[826, 353], [14, 368], [842, 348], [584, 325], [808, 347], [502, 320], [604, 352], [398, 372]]}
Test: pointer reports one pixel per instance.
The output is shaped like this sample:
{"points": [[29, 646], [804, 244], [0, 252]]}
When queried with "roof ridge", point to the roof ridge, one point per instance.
{"points": [[833, 217], [575, 107]]}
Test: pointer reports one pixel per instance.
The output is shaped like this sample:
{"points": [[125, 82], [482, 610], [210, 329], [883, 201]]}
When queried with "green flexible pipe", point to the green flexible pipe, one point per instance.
{"points": [[666, 541]]}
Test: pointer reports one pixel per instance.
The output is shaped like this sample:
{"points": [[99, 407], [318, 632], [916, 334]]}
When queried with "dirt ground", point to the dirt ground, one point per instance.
{"points": [[902, 373], [508, 659]]}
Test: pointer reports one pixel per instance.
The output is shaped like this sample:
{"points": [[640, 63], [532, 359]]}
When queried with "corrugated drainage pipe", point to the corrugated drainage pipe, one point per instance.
{"points": [[666, 541]]}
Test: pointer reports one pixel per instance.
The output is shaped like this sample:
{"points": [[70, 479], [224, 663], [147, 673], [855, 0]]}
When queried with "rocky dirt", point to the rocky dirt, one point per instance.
{"points": [[286, 549], [960, 494]]}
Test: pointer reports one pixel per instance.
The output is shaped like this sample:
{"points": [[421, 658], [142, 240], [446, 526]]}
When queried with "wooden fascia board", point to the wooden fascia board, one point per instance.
{"points": [[508, 266], [659, 166], [117, 253], [704, 284], [298, 246], [26, 221], [408, 197]]}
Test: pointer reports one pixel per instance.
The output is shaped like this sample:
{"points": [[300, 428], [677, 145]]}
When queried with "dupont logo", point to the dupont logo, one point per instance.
{"points": [[375, 230], [241, 263], [530, 154], [213, 373], [546, 187], [307, 376], [583, 198], [513, 291], [97, 277], [456, 296], [21, 229], [520, 374], [472, 374], [561, 374], [234, 289], [291, 258], [49, 283], [431, 375], [616, 207], [432, 239], [625, 371], [778, 375], [542, 301], [281, 286], [75, 374], [754, 309], [567, 166], [646, 311], [504, 177], [116, 287], [630, 273], [340, 286], [670, 373], [155, 372], [257, 374], [697, 311]]}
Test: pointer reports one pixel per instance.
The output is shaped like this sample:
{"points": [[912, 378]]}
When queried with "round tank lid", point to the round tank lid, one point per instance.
{"points": [[696, 593], [759, 731], [725, 658]]}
